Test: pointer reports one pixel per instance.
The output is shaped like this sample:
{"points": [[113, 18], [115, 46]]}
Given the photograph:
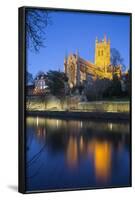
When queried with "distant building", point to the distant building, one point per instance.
{"points": [[78, 69], [40, 84]]}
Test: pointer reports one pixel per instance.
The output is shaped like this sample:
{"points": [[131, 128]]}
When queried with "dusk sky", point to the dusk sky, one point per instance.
{"points": [[71, 31]]}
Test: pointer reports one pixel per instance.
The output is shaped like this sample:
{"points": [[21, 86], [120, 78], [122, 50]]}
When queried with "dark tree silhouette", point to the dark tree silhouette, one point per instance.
{"points": [[116, 59], [39, 74], [36, 23], [96, 90], [29, 77], [56, 82], [115, 89]]}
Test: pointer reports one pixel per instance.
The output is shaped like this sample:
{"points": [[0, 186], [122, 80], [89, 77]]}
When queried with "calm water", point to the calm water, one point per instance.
{"points": [[64, 154]]}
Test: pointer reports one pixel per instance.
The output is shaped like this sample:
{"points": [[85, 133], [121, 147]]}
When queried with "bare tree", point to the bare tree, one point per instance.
{"points": [[36, 23], [116, 59], [29, 77], [96, 89]]}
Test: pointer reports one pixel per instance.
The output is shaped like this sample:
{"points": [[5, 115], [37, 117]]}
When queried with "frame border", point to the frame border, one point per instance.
{"points": [[21, 104], [22, 97]]}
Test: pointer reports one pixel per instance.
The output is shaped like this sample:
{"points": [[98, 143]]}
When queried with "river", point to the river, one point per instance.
{"points": [[69, 154]]}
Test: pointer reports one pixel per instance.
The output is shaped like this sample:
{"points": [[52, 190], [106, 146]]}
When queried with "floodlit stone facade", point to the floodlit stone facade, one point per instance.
{"points": [[79, 70], [102, 54]]}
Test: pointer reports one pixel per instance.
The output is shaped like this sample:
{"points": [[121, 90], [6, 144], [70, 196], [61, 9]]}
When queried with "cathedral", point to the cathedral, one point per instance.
{"points": [[79, 70]]}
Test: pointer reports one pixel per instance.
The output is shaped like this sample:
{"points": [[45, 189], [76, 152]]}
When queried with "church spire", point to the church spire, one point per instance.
{"points": [[109, 40], [78, 68], [77, 53], [96, 39], [105, 39], [65, 62], [66, 57]]}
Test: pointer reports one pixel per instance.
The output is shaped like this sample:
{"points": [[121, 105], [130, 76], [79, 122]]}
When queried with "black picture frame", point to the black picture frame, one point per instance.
{"points": [[22, 95]]}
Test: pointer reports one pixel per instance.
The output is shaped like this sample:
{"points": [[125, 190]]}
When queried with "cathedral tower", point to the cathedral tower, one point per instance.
{"points": [[102, 53]]}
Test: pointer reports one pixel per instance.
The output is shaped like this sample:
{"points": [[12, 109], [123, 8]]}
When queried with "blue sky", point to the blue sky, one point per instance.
{"points": [[71, 31]]}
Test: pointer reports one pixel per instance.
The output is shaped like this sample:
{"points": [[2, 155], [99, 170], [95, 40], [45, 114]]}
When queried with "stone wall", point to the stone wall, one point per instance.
{"points": [[73, 104], [52, 103], [105, 106], [43, 103]]}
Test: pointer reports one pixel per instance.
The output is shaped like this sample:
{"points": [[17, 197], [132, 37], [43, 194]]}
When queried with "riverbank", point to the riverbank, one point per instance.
{"points": [[115, 116], [52, 103]]}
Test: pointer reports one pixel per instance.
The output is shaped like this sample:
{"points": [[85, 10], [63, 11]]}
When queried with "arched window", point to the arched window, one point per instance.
{"points": [[102, 53], [98, 53]]}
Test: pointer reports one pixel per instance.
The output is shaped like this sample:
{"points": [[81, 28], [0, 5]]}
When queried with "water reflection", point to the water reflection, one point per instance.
{"points": [[78, 153], [72, 152], [102, 160]]}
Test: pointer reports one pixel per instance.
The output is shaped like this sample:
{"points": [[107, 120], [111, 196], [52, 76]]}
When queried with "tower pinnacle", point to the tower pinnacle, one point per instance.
{"points": [[96, 39], [105, 39]]}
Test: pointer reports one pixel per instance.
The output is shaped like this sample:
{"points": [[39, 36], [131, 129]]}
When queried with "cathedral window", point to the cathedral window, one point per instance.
{"points": [[98, 53]]}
